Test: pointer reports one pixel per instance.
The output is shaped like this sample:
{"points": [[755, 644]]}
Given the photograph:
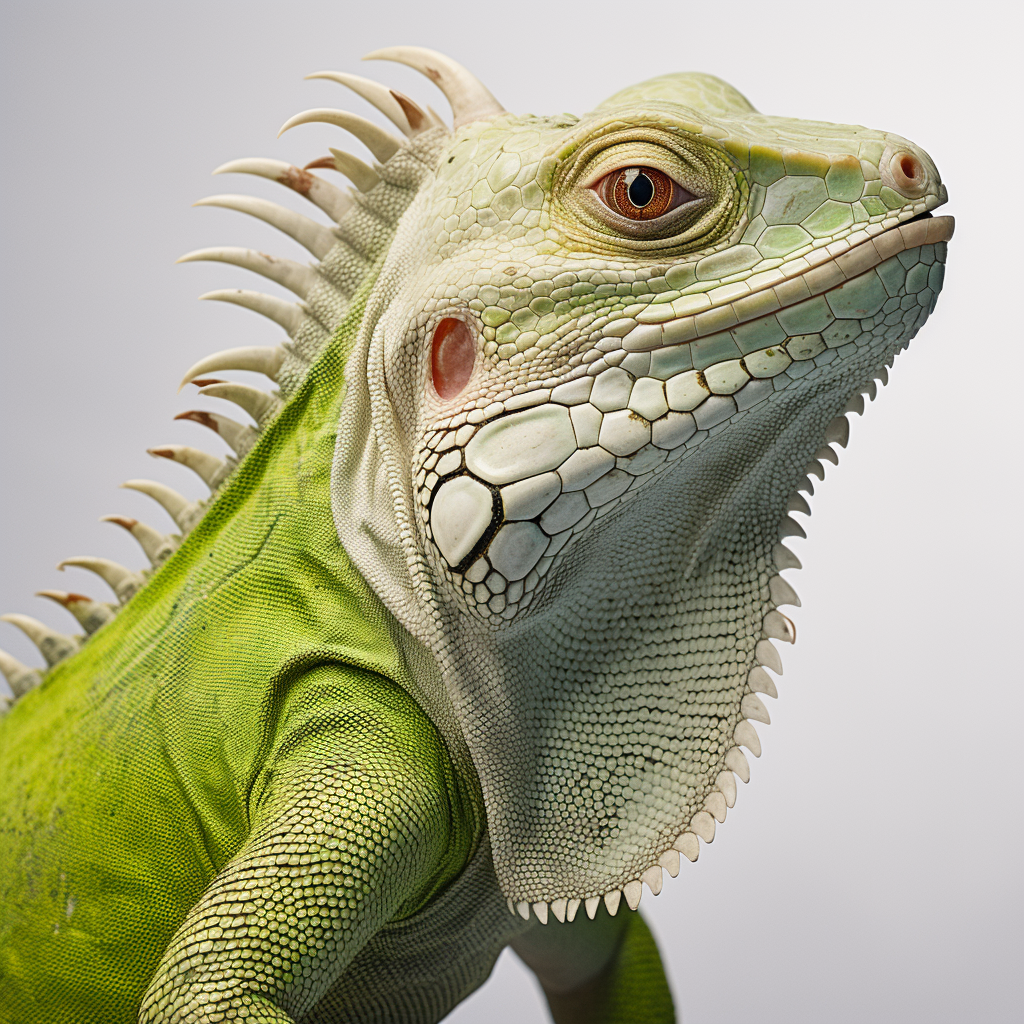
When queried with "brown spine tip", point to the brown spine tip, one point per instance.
{"points": [[298, 179], [126, 522], [202, 382], [64, 599], [202, 418], [161, 453], [321, 163], [412, 112]]}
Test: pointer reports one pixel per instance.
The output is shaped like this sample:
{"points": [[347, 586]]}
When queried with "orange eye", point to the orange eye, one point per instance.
{"points": [[641, 193]]}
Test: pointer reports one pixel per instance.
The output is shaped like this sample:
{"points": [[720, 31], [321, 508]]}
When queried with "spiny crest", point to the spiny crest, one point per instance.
{"points": [[362, 223]]}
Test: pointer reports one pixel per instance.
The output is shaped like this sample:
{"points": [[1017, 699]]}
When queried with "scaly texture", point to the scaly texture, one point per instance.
{"points": [[464, 647]]}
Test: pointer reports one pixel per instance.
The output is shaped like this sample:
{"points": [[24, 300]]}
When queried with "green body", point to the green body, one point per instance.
{"points": [[325, 764], [136, 772]]}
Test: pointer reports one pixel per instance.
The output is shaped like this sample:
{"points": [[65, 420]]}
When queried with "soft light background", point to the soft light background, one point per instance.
{"points": [[871, 869]]}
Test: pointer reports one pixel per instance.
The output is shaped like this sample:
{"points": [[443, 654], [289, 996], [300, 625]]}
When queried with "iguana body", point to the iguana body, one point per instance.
{"points": [[473, 633]]}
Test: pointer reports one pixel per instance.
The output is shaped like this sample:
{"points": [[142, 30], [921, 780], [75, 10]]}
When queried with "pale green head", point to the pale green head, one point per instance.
{"points": [[601, 358]]}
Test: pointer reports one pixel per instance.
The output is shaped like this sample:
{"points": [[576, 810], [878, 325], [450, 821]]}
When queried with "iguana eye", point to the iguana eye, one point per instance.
{"points": [[641, 193]]}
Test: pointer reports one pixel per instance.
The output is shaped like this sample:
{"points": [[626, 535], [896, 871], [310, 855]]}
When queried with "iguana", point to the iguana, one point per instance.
{"points": [[463, 649]]}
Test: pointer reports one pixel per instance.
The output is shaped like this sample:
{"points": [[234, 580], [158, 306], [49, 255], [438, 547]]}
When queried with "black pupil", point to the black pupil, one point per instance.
{"points": [[640, 191]]}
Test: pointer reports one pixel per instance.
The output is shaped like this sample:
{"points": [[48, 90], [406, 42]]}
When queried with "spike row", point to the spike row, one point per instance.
{"points": [[469, 100]]}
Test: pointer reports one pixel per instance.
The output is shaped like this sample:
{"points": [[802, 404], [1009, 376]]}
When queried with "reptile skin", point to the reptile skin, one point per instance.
{"points": [[463, 649]]}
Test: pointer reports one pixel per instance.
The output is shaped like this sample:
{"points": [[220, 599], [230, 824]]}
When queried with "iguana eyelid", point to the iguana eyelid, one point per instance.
{"points": [[603, 169]]}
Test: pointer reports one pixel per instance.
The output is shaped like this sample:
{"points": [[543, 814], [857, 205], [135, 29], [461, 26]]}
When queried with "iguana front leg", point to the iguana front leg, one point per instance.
{"points": [[358, 822], [605, 971]]}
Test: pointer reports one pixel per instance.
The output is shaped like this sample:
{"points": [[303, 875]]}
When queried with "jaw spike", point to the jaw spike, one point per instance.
{"points": [[89, 613], [361, 174], [653, 879], [736, 762], [20, 678], [753, 708], [798, 504], [828, 454], [258, 404], [633, 891], [53, 646], [332, 200], [760, 682], [402, 112], [838, 431], [156, 547], [782, 593], [239, 436], [266, 360], [208, 468], [784, 558], [123, 582], [592, 904], [726, 783], [284, 314], [383, 145], [767, 655], [745, 735], [314, 237], [291, 275], [702, 824], [180, 509], [469, 98], [669, 860], [687, 845], [855, 404], [777, 626]]}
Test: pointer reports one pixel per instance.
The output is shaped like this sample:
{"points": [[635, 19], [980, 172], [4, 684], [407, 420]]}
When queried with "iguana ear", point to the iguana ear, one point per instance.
{"points": [[452, 356], [688, 89]]}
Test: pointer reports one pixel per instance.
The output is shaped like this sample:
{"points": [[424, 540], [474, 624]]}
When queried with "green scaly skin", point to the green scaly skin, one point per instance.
{"points": [[395, 701]]}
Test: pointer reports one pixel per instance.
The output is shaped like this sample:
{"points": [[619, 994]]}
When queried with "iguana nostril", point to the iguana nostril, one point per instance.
{"points": [[452, 355], [907, 172]]}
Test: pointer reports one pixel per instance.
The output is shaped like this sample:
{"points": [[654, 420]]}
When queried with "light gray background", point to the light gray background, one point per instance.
{"points": [[871, 869]]}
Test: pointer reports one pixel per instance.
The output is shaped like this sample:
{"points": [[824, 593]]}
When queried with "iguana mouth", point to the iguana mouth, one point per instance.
{"points": [[816, 273]]}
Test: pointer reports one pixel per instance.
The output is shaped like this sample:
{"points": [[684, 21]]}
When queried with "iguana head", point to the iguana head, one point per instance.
{"points": [[602, 357]]}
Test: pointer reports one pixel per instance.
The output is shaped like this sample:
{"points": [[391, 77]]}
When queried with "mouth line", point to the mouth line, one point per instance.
{"points": [[927, 215], [821, 272]]}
